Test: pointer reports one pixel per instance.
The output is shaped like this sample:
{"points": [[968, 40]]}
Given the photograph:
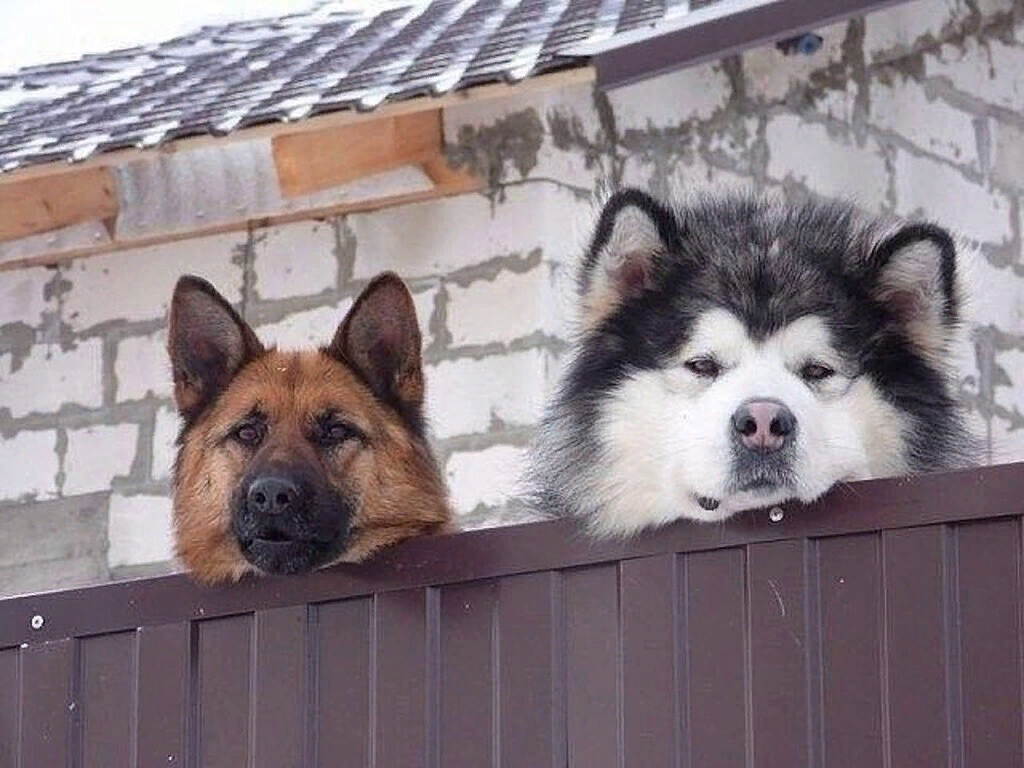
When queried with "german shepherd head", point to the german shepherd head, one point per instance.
{"points": [[290, 461]]}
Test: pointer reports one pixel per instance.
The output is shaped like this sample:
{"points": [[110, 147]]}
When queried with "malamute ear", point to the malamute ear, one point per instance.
{"points": [[631, 234], [208, 342], [915, 277], [380, 338]]}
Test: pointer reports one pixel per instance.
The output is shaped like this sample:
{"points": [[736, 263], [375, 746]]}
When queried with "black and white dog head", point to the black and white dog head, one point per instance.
{"points": [[735, 353]]}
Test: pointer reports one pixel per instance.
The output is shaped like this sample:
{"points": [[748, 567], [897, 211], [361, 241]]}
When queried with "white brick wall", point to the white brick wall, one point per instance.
{"points": [[30, 465], [165, 432], [148, 276], [993, 71], [904, 107], [295, 260], [96, 455], [943, 193], [142, 368], [829, 165], [467, 396], [308, 328], [671, 99], [50, 377], [509, 306], [140, 530], [486, 478], [440, 237], [1009, 154], [22, 296]]}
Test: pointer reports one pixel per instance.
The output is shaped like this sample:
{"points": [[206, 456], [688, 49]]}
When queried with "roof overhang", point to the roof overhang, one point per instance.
{"points": [[709, 33]]}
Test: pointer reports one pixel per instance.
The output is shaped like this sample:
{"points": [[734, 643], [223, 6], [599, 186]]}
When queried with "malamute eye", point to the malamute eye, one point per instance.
{"points": [[249, 434], [815, 372], [705, 367]]}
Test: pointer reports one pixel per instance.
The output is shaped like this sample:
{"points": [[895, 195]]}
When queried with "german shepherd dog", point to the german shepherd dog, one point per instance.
{"points": [[289, 461]]}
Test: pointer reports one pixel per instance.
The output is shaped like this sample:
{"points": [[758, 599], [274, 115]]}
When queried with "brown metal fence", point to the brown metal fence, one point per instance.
{"points": [[880, 628]]}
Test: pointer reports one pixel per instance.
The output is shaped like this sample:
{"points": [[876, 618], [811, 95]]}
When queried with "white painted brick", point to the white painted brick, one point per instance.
{"points": [[905, 108], [997, 297], [142, 367], [895, 31], [1008, 167], [30, 466], [165, 432], [466, 396], [308, 328], [137, 284], [316, 327], [828, 165], [510, 306], [96, 455], [942, 193], [442, 236], [50, 377], [991, 71], [670, 99], [769, 73], [572, 105], [295, 260], [489, 478], [21, 296], [140, 530]]}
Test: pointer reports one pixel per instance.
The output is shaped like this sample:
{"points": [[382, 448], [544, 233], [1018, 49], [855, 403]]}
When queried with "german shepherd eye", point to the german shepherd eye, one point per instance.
{"points": [[332, 433], [249, 435], [815, 372], [706, 367]]}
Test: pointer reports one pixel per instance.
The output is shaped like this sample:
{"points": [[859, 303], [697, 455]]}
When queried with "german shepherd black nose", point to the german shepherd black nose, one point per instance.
{"points": [[273, 495]]}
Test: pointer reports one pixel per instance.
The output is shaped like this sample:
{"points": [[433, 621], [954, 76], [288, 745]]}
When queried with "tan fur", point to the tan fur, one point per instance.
{"points": [[391, 477]]}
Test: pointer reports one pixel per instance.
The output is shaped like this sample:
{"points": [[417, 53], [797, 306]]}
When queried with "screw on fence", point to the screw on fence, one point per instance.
{"points": [[37, 622], [775, 514]]}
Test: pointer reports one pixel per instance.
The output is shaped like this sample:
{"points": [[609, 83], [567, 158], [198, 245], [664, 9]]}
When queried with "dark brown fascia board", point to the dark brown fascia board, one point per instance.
{"points": [[718, 35]]}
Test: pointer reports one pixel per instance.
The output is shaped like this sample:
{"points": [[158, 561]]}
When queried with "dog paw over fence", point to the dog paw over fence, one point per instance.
{"points": [[881, 626]]}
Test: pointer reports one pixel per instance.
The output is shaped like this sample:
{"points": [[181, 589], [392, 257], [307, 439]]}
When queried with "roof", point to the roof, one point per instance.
{"points": [[226, 77]]}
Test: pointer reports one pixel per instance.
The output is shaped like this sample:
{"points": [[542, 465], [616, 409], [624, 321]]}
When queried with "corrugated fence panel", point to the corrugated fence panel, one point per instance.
{"points": [[849, 582], [989, 599], [343, 644], [716, 677], [401, 708], [913, 562], [648, 595], [107, 700], [224, 703], [529, 656], [10, 706], [592, 666], [48, 680], [281, 690], [778, 653], [164, 671], [883, 632], [468, 684]]}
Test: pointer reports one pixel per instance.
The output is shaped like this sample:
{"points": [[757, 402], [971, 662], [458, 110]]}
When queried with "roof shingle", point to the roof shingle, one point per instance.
{"points": [[231, 76]]}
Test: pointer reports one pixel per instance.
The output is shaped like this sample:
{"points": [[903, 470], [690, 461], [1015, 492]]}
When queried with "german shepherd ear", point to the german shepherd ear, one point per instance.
{"points": [[915, 277], [380, 338], [631, 235], [208, 343]]}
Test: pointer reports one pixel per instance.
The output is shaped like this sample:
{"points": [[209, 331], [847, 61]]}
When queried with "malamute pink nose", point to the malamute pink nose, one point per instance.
{"points": [[763, 425]]}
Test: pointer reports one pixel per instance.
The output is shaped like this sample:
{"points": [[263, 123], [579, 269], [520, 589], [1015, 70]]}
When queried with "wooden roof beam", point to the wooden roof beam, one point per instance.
{"points": [[37, 205]]}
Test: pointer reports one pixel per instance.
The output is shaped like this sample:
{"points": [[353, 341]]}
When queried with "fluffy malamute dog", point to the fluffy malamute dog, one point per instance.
{"points": [[737, 352]]}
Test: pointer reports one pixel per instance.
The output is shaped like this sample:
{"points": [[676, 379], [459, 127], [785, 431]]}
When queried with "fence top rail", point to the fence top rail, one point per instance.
{"points": [[862, 507]]}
